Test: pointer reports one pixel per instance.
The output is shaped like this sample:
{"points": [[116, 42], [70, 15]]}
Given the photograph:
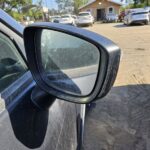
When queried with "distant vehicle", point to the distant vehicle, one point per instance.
{"points": [[111, 17], [54, 18], [66, 19], [148, 9], [139, 16], [28, 23], [74, 16], [84, 18]]}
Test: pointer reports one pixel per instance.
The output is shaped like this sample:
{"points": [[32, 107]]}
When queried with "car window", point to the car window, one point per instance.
{"points": [[64, 16], [139, 13], [12, 66], [84, 14]]}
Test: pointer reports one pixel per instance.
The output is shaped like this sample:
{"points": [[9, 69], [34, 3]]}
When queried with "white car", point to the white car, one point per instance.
{"points": [[148, 9], [136, 16], [84, 18], [110, 17], [26, 23], [67, 19], [74, 16]]}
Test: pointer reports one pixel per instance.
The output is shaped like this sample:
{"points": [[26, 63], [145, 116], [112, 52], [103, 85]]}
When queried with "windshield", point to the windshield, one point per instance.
{"points": [[55, 17], [65, 17], [138, 13], [84, 14]]}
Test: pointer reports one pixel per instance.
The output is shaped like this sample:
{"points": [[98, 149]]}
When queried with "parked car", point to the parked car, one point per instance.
{"points": [[27, 22], [74, 16], [111, 17], [148, 9], [84, 18], [66, 19], [45, 84], [54, 18], [139, 16]]}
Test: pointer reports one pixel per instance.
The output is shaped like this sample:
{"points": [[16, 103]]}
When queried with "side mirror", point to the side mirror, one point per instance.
{"points": [[71, 63]]}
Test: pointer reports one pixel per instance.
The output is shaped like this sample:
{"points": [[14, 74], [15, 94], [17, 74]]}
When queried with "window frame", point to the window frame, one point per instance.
{"points": [[21, 55], [109, 10], [11, 95], [16, 46]]}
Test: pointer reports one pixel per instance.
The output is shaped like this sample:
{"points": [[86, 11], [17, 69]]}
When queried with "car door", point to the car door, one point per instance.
{"points": [[22, 124]]}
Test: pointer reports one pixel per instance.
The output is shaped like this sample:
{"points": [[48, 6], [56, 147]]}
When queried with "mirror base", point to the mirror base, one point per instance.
{"points": [[41, 99]]}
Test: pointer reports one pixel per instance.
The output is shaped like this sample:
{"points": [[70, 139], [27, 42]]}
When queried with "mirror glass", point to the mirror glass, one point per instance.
{"points": [[69, 64]]}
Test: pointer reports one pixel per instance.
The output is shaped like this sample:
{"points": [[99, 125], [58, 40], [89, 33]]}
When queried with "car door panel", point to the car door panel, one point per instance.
{"points": [[24, 126]]}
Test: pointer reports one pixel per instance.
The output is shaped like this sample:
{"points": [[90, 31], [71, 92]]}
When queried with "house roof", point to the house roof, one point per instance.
{"points": [[118, 3], [92, 1]]}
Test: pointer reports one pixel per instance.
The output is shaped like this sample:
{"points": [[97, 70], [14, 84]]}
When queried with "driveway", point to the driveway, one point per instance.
{"points": [[121, 120]]}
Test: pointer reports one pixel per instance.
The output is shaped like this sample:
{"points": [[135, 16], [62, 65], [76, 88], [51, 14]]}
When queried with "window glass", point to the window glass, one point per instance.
{"points": [[12, 66], [84, 14], [65, 16], [110, 10], [57, 54], [70, 63]]}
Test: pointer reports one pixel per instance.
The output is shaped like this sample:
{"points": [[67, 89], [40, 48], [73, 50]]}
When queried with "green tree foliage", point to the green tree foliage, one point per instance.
{"points": [[35, 13], [64, 5], [16, 15], [10, 5], [14, 7], [20, 9], [140, 3], [145, 2], [77, 5]]}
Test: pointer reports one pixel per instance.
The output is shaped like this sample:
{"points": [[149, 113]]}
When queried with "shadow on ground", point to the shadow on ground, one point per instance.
{"points": [[126, 26], [120, 121]]}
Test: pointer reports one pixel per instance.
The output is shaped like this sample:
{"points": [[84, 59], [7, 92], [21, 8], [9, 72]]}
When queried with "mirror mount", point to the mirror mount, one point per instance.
{"points": [[41, 99]]}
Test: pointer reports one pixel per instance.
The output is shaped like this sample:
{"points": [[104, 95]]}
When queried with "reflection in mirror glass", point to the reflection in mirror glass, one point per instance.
{"points": [[70, 63]]}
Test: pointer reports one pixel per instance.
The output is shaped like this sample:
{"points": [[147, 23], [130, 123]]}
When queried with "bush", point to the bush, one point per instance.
{"points": [[17, 16]]}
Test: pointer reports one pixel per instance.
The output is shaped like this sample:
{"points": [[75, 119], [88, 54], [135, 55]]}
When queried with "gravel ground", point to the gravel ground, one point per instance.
{"points": [[121, 120]]}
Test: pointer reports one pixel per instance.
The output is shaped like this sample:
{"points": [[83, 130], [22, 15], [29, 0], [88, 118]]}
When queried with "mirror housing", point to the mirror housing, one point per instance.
{"points": [[108, 65]]}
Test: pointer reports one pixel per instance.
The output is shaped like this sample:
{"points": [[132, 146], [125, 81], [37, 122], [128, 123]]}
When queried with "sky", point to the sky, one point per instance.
{"points": [[52, 4], [48, 3]]}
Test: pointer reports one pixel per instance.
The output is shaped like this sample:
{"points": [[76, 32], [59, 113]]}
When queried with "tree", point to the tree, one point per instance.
{"points": [[34, 13], [77, 5], [11, 5], [141, 3], [16, 15], [63, 4], [146, 2], [20, 9], [14, 7]]}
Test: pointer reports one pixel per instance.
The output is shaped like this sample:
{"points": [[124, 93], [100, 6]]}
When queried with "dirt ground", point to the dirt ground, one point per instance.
{"points": [[121, 120]]}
